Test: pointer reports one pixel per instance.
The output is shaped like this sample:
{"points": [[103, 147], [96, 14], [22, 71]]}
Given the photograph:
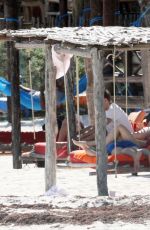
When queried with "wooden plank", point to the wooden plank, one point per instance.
{"points": [[121, 79], [75, 165], [30, 45], [77, 51], [124, 170], [133, 101]]}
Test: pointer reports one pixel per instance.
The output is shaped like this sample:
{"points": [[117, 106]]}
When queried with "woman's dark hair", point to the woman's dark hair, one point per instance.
{"points": [[107, 95]]}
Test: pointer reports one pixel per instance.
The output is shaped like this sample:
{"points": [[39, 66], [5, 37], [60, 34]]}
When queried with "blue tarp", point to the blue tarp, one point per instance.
{"points": [[82, 88], [25, 96]]}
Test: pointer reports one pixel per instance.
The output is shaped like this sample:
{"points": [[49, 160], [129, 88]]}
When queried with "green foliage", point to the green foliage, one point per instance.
{"points": [[37, 60], [81, 66], [3, 60]]}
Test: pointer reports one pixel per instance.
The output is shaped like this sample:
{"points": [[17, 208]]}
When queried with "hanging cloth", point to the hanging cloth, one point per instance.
{"points": [[61, 61]]}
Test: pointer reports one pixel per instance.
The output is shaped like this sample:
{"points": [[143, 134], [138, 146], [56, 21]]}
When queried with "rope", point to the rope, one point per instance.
{"points": [[81, 19], [126, 81], [77, 94], [67, 110], [138, 22], [95, 19], [59, 19], [32, 104], [114, 91]]}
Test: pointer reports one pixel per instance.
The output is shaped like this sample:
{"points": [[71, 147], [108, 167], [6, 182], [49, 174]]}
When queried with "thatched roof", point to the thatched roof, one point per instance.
{"points": [[121, 37], [90, 36]]}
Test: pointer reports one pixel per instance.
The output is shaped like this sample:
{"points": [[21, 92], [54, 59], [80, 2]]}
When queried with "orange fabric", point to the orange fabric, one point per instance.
{"points": [[81, 156]]}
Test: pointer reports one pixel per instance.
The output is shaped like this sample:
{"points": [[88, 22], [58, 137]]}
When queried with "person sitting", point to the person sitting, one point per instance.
{"points": [[138, 139], [120, 116], [110, 109]]}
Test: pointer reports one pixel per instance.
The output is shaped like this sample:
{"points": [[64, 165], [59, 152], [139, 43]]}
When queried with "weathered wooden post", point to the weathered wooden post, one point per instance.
{"points": [[86, 13], [95, 15], [50, 124], [63, 13], [145, 59], [11, 14], [15, 106], [70, 105], [108, 13], [77, 8], [100, 122]]}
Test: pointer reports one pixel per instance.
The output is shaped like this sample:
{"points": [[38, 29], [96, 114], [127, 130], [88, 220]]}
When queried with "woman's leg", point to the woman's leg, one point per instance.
{"points": [[122, 133], [62, 135], [84, 145], [142, 134]]}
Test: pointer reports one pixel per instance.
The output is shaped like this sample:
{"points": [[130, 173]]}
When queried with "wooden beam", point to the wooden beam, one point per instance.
{"points": [[50, 96], [77, 51], [84, 51], [131, 79], [100, 122], [133, 102], [32, 45], [3, 38]]}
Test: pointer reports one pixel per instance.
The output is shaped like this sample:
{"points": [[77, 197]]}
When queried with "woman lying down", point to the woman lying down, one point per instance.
{"points": [[123, 138]]}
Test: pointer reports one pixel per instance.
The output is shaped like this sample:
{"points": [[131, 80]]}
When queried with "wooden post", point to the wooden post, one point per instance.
{"points": [[70, 104], [50, 124], [96, 12], [86, 16], [15, 106], [63, 11], [11, 9], [145, 60], [88, 70], [100, 122], [108, 13], [89, 91], [77, 8]]}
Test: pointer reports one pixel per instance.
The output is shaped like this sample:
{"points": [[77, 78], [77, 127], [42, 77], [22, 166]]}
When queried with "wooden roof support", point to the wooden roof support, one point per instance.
{"points": [[50, 89], [100, 122], [85, 52], [15, 106], [29, 45]]}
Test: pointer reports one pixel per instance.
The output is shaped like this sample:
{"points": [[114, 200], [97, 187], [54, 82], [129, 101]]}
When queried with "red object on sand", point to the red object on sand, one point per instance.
{"points": [[62, 152], [26, 137]]}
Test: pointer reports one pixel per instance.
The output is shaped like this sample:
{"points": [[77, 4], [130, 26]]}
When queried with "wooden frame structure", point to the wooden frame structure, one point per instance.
{"points": [[87, 42]]}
